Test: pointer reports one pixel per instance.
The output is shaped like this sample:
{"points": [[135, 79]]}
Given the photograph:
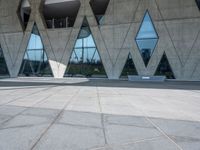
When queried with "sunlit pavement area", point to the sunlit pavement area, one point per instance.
{"points": [[84, 114]]}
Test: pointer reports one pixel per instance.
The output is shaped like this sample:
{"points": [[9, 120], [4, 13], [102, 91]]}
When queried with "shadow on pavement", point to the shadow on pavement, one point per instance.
{"points": [[102, 83]]}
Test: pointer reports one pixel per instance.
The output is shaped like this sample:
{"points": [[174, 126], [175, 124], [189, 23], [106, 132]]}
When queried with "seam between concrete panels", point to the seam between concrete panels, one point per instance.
{"points": [[5, 44], [27, 39], [70, 36], [109, 3], [6, 50], [55, 120], [99, 27], [38, 21], [51, 47], [102, 115], [72, 29], [41, 19], [162, 132], [192, 48], [105, 45], [18, 50], [96, 42], [198, 60], [65, 48], [130, 25], [168, 31], [195, 68]]}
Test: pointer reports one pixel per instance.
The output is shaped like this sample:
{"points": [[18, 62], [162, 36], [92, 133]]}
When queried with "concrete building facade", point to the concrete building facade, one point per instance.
{"points": [[176, 22]]}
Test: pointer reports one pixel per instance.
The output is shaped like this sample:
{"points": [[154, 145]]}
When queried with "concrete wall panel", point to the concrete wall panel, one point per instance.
{"points": [[183, 34], [177, 23]]}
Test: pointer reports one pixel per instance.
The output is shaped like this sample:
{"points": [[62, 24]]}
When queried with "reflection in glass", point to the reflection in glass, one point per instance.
{"points": [[164, 68], [3, 66], [147, 38], [85, 60], [129, 68], [35, 62]]}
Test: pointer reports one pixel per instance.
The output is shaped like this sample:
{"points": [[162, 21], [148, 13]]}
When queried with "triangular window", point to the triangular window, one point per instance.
{"points": [[129, 68], [35, 62], [85, 60], [146, 38], [164, 68], [3, 66]]}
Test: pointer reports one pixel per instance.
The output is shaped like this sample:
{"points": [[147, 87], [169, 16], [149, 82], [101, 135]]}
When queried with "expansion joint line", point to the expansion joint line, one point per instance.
{"points": [[164, 22], [147, 117], [26, 95], [54, 120], [29, 107], [102, 115], [161, 131], [128, 30]]}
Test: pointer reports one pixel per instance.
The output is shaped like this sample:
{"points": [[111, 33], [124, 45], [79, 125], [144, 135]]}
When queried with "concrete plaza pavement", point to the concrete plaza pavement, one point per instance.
{"points": [[84, 114]]}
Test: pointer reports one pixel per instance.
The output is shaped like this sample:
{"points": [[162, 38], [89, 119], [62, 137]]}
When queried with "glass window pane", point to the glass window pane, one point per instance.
{"points": [[79, 43], [85, 60], [3, 66], [146, 38], [147, 44], [164, 68], [35, 42], [35, 61], [147, 29], [89, 42], [129, 68]]}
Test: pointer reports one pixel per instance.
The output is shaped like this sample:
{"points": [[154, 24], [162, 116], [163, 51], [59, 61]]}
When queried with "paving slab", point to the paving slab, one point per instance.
{"points": [[184, 133], [22, 132], [72, 137], [98, 114]]}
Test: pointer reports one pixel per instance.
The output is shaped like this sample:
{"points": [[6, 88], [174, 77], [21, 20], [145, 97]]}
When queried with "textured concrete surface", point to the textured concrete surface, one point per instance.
{"points": [[177, 23], [83, 114]]}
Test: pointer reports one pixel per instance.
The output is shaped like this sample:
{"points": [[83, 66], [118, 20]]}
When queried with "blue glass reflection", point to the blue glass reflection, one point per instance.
{"points": [[144, 44], [35, 62], [147, 38], [85, 60], [147, 29], [85, 51]]}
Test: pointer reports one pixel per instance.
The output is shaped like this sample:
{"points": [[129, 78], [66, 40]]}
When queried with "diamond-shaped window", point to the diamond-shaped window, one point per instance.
{"points": [[146, 38], [85, 60], [35, 62], [24, 12]]}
